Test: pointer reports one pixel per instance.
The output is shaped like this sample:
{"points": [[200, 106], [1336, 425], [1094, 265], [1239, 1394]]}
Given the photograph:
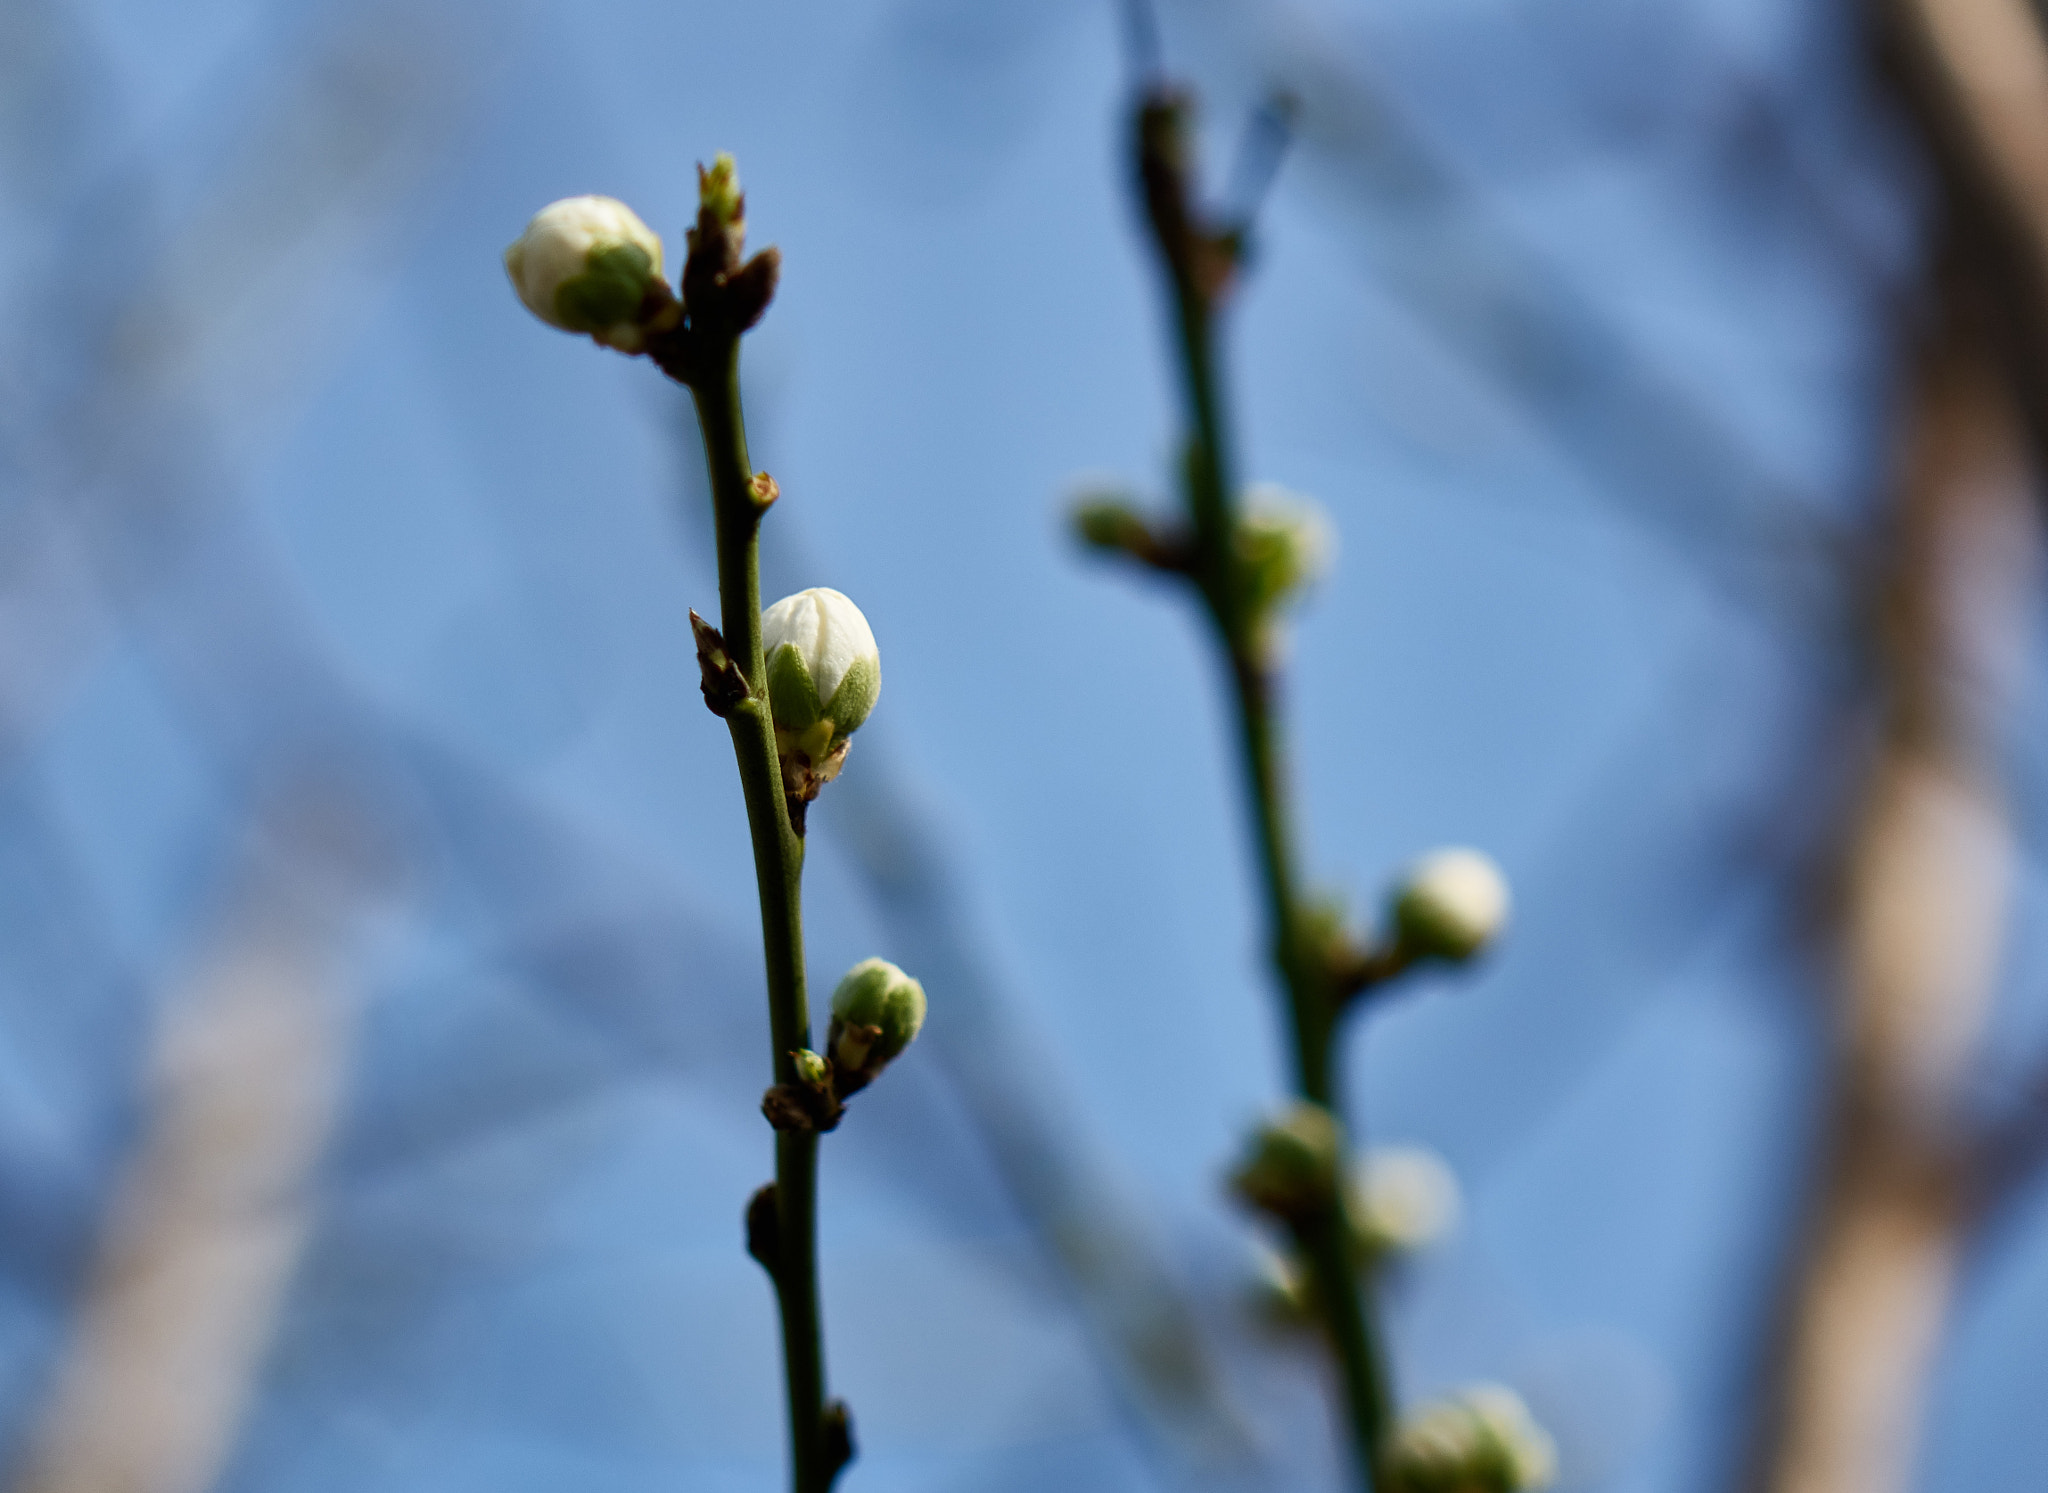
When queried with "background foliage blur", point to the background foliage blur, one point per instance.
{"points": [[380, 1037]]}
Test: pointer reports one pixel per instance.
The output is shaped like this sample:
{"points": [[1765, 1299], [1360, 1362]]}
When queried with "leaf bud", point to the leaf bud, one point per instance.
{"points": [[810, 1068], [718, 191], [1402, 1198], [1281, 1289], [1482, 1440], [824, 675], [877, 1011], [1290, 1167], [588, 264], [1451, 905]]}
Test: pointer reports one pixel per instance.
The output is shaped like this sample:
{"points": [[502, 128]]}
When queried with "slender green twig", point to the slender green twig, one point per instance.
{"points": [[700, 348], [1199, 264], [778, 874]]}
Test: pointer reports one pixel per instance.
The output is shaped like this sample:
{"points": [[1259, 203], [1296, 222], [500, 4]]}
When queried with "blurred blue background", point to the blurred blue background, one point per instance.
{"points": [[380, 1014]]}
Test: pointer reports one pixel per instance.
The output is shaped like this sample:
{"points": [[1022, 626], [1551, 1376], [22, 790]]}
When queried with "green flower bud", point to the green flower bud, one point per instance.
{"points": [[586, 264], [877, 1011], [1284, 545], [1402, 1198], [1452, 904], [1483, 1440], [1290, 1168], [810, 1068]]}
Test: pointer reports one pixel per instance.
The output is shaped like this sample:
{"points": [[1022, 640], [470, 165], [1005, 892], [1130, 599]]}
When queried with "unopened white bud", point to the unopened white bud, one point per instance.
{"points": [[1402, 1198], [1452, 904], [824, 674], [1482, 1440], [585, 264]]}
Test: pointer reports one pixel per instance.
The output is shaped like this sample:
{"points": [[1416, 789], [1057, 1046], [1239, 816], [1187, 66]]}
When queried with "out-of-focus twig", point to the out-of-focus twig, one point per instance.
{"points": [[1924, 897], [209, 1220]]}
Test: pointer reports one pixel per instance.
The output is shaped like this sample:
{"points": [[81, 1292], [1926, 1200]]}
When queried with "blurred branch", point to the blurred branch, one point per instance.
{"points": [[1925, 888], [207, 1224]]}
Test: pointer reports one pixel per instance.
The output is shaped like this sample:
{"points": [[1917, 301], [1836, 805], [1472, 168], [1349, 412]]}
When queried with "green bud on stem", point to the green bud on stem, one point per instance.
{"points": [[1482, 1440], [1290, 1169], [877, 1011]]}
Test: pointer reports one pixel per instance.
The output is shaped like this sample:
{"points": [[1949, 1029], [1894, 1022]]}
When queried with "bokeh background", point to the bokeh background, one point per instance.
{"points": [[380, 1015]]}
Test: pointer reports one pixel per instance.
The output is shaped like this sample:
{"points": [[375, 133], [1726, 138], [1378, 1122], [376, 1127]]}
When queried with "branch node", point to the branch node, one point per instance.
{"points": [[725, 687], [764, 1229]]}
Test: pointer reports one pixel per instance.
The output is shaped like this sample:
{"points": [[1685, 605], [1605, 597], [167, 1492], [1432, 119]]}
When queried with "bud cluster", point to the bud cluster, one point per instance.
{"points": [[1483, 1440]]}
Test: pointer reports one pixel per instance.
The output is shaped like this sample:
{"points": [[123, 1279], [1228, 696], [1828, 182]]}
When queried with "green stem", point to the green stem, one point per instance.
{"points": [[778, 872], [1346, 1305]]}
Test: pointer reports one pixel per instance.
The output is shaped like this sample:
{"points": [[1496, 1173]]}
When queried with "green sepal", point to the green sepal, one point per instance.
{"points": [[609, 291], [856, 694], [792, 695]]}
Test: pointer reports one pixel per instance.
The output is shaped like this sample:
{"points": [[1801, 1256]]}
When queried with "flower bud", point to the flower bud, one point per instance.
{"points": [[824, 674], [586, 264], [1290, 1167], [1284, 545], [876, 1013], [810, 1068], [1402, 1197], [1482, 1440], [1452, 904]]}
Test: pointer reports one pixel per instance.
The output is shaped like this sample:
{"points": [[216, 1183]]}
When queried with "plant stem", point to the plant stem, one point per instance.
{"points": [[1345, 1304], [778, 872]]}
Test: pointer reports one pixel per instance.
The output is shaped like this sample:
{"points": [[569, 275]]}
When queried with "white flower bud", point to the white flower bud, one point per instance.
{"points": [[1483, 1440], [585, 264], [1402, 1198], [824, 675], [1452, 904]]}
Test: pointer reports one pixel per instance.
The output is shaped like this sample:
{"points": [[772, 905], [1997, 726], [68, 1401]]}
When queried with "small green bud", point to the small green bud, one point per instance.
{"points": [[718, 189], [877, 1011], [1482, 1440], [587, 264], [810, 1068], [1402, 1198], [1290, 1167], [1111, 525], [1452, 904], [1284, 545]]}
